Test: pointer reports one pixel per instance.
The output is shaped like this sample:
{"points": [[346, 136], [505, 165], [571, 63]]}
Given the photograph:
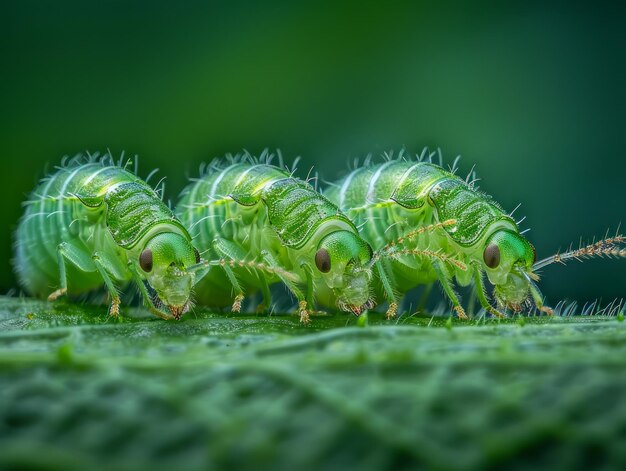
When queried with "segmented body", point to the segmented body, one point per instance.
{"points": [[391, 199], [247, 211], [87, 211]]}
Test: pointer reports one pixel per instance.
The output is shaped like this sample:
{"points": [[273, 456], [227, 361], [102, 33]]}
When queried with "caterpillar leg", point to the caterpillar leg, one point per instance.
{"points": [[439, 261], [239, 297], [443, 278], [309, 285], [303, 310], [305, 307], [231, 251], [387, 289], [105, 267], [66, 252], [534, 291], [482, 296]]}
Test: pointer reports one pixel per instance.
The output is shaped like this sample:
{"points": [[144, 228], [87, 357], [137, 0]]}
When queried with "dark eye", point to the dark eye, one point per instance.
{"points": [[322, 260], [491, 256], [195, 251], [145, 260], [534, 253]]}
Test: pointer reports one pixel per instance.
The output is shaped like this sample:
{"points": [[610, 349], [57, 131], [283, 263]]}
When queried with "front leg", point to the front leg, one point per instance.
{"points": [[538, 298], [230, 252], [444, 279], [304, 307], [481, 294], [77, 256], [80, 258], [104, 267], [273, 266], [386, 281]]}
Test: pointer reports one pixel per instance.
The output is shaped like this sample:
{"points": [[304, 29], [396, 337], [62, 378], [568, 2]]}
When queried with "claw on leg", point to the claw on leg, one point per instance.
{"points": [[303, 312], [237, 303], [114, 308], [392, 311], [162, 315], [549, 311], [57, 294], [497, 313], [460, 312]]}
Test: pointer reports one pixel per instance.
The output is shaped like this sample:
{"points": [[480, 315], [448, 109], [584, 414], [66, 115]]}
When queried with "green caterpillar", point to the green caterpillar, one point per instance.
{"points": [[93, 222], [427, 224], [260, 226]]}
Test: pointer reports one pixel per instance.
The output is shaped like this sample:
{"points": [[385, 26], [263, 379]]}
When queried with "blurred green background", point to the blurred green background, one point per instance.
{"points": [[532, 94]]}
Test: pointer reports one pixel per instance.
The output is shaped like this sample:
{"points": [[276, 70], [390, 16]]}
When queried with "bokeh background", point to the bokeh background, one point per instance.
{"points": [[532, 94]]}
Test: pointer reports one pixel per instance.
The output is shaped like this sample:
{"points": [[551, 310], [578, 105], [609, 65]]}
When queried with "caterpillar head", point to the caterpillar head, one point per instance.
{"points": [[163, 262], [508, 260], [341, 262]]}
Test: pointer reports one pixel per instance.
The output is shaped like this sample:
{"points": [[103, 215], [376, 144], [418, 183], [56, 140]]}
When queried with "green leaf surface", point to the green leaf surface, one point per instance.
{"points": [[79, 390]]}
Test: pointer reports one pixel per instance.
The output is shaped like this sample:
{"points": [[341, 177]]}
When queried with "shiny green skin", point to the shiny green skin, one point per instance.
{"points": [[96, 207], [255, 209], [389, 199]]}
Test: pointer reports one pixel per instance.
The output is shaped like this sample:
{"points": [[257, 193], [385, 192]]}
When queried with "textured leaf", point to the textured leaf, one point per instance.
{"points": [[81, 391]]}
